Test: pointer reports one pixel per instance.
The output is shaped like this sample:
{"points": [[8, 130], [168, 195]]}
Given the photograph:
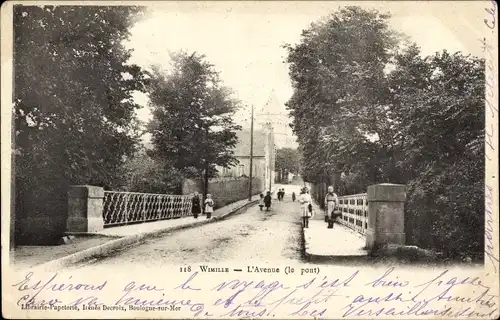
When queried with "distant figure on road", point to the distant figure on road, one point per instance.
{"points": [[196, 205], [293, 196], [331, 203], [209, 206], [279, 194], [261, 202], [305, 201], [282, 194], [267, 200]]}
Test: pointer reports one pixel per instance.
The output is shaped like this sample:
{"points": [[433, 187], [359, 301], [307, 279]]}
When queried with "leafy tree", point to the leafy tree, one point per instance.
{"points": [[149, 175], [287, 160], [192, 127], [74, 114], [368, 104], [440, 103], [337, 71]]}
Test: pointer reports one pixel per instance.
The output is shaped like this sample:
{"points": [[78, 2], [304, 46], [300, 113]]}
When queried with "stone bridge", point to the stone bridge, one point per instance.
{"points": [[370, 221], [377, 214]]}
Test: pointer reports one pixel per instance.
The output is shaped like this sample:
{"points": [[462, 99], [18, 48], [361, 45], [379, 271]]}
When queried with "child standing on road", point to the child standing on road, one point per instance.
{"points": [[209, 206], [196, 205], [261, 202], [267, 200]]}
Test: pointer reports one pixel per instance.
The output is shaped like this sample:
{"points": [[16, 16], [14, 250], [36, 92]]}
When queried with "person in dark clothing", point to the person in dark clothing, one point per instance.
{"points": [[267, 200], [293, 196], [196, 205], [331, 203]]}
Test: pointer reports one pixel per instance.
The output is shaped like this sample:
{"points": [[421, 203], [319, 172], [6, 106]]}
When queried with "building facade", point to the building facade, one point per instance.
{"points": [[273, 112], [263, 156]]}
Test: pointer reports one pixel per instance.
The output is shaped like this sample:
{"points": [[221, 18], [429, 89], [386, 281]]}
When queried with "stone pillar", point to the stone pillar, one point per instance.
{"points": [[385, 215], [85, 207]]}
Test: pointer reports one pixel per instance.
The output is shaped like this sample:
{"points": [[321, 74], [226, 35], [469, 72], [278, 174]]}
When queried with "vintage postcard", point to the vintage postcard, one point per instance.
{"points": [[250, 159]]}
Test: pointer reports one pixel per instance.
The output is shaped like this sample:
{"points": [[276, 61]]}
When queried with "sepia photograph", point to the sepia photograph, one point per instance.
{"points": [[250, 159]]}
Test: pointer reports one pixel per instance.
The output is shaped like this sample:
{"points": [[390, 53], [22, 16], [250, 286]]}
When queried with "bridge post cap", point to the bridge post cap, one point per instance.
{"points": [[388, 192], [85, 191]]}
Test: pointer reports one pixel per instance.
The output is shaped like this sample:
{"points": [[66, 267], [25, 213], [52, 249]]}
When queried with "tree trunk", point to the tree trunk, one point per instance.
{"points": [[205, 182]]}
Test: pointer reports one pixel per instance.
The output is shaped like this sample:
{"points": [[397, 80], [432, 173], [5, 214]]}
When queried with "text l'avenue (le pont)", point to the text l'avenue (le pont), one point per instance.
{"points": [[252, 269]]}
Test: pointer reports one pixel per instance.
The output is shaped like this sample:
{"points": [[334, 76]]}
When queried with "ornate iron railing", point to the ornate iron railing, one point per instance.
{"points": [[132, 207], [354, 210]]}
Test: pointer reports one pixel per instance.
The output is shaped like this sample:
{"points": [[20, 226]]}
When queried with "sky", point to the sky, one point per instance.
{"points": [[243, 39]]}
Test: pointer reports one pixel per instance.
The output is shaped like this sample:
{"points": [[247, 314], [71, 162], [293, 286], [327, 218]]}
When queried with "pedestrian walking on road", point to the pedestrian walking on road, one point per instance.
{"points": [[306, 204], [293, 196], [331, 203], [282, 194], [209, 206], [267, 200], [261, 202], [196, 205]]}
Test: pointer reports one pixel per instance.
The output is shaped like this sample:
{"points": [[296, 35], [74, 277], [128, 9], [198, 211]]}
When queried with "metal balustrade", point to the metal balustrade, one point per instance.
{"points": [[132, 207], [354, 210]]}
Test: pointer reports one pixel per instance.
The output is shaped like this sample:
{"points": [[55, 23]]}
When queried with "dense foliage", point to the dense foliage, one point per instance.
{"points": [[287, 160], [148, 174], [366, 103], [192, 127], [73, 109]]}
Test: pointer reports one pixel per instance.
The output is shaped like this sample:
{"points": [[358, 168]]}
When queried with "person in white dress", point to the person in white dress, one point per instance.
{"points": [[306, 202], [331, 203], [209, 206]]}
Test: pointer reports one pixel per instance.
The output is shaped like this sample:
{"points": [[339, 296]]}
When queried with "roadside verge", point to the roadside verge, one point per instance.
{"points": [[112, 245]]}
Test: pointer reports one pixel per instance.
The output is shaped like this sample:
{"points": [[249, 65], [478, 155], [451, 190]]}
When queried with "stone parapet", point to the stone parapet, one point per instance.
{"points": [[85, 209], [385, 215]]}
